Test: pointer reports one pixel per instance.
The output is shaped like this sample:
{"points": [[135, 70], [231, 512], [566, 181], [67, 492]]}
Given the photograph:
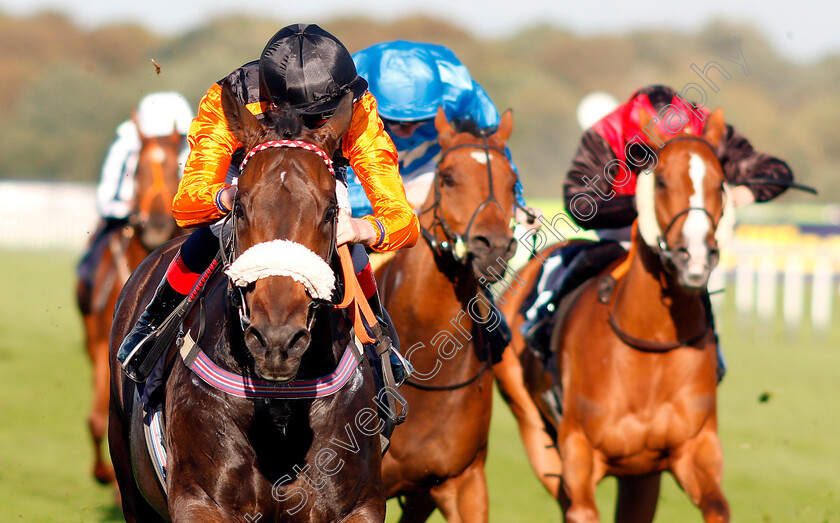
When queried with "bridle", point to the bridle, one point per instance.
{"points": [[228, 247], [453, 243], [662, 249]]}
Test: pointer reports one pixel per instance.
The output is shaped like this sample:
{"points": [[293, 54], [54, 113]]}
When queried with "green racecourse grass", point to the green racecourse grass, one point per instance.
{"points": [[782, 455]]}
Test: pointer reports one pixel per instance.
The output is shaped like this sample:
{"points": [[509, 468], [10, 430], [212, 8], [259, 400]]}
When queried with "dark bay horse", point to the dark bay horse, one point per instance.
{"points": [[234, 451], [150, 225], [637, 356], [434, 295]]}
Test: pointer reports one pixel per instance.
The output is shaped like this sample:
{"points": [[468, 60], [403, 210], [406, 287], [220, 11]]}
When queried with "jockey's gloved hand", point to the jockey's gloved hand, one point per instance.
{"points": [[741, 195], [353, 230]]}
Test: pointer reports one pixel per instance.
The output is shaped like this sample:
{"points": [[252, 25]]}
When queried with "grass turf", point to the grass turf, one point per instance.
{"points": [[779, 418]]}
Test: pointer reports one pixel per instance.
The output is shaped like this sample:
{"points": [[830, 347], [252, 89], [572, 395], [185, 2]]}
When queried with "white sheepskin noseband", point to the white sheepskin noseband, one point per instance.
{"points": [[284, 258]]}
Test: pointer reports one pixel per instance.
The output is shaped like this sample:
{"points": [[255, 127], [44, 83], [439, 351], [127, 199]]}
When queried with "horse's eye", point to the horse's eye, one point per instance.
{"points": [[660, 182], [238, 210], [447, 179], [331, 213]]}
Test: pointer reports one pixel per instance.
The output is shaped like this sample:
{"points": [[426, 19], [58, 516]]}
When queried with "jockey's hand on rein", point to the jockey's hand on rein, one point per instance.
{"points": [[528, 216], [353, 230]]}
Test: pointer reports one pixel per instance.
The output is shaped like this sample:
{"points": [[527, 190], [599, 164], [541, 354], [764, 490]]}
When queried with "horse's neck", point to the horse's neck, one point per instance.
{"points": [[447, 284], [651, 305]]}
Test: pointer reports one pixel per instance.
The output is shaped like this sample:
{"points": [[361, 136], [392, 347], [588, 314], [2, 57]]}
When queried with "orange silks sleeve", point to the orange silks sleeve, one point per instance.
{"points": [[212, 145], [373, 157]]}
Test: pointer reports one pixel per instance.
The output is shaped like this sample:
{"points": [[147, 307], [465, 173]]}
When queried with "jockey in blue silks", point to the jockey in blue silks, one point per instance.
{"points": [[410, 81]]}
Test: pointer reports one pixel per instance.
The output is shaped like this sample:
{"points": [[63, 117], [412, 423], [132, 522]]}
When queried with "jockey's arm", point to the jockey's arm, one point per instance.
{"points": [[586, 176], [373, 157], [742, 163], [202, 197]]}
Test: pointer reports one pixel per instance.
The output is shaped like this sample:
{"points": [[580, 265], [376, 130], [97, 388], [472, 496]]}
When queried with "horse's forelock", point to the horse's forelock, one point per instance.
{"points": [[468, 125], [283, 121]]}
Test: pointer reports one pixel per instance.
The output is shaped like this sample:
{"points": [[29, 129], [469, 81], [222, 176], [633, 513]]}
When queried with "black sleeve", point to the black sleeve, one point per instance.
{"points": [[741, 162], [593, 154]]}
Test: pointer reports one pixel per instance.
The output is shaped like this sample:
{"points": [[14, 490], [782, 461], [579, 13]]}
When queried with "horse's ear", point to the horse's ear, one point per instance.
{"points": [[328, 136], [444, 129], [244, 125], [715, 128], [174, 138], [505, 128]]}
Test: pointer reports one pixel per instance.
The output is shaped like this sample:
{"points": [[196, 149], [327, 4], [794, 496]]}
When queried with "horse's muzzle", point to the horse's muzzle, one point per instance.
{"points": [[490, 255], [277, 350], [693, 273]]}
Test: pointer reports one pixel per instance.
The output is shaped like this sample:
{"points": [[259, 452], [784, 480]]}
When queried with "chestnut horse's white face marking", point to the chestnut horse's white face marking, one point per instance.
{"points": [[696, 226], [479, 156]]}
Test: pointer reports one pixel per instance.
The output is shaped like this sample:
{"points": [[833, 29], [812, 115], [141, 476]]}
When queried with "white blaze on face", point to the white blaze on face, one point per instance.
{"points": [[479, 156], [696, 226]]}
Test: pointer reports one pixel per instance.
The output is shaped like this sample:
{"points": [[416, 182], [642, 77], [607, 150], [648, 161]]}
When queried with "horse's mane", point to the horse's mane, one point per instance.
{"points": [[284, 121]]}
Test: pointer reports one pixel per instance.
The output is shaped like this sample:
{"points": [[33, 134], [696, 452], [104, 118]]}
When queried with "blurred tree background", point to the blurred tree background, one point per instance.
{"points": [[66, 89]]}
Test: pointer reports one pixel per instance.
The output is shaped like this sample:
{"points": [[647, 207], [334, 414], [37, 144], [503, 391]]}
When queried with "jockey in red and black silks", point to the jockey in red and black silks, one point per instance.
{"points": [[605, 146], [600, 191]]}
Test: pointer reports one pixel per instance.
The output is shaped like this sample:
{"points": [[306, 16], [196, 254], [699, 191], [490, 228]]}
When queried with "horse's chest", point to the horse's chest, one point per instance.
{"points": [[648, 429]]}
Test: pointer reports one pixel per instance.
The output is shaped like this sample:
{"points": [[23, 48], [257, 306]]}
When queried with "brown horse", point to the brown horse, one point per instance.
{"points": [[637, 356], [150, 225], [247, 455], [434, 296]]}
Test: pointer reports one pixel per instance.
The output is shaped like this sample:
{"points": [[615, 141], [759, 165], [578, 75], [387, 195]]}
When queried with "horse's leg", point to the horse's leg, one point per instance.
{"points": [[637, 497], [98, 417], [541, 450], [464, 498], [579, 479], [698, 467], [418, 507]]}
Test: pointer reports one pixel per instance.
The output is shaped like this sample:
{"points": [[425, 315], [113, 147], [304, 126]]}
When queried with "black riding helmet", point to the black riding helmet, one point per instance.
{"points": [[308, 68]]}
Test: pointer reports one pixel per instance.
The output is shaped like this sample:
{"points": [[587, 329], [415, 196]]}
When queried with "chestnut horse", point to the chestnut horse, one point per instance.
{"points": [[241, 452], [149, 226], [434, 295], [637, 357]]}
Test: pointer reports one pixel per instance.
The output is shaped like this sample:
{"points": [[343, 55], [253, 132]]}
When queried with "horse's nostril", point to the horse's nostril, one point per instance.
{"points": [[480, 244], [257, 340], [298, 342]]}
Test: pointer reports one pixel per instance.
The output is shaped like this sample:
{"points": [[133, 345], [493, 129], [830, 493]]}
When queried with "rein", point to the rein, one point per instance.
{"points": [[456, 244], [609, 288]]}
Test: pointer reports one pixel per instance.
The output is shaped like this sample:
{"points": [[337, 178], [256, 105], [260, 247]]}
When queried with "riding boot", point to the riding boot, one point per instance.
{"points": [[133, 349], [720, 370], [400, 367], [500, 336], [721, 362]]}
